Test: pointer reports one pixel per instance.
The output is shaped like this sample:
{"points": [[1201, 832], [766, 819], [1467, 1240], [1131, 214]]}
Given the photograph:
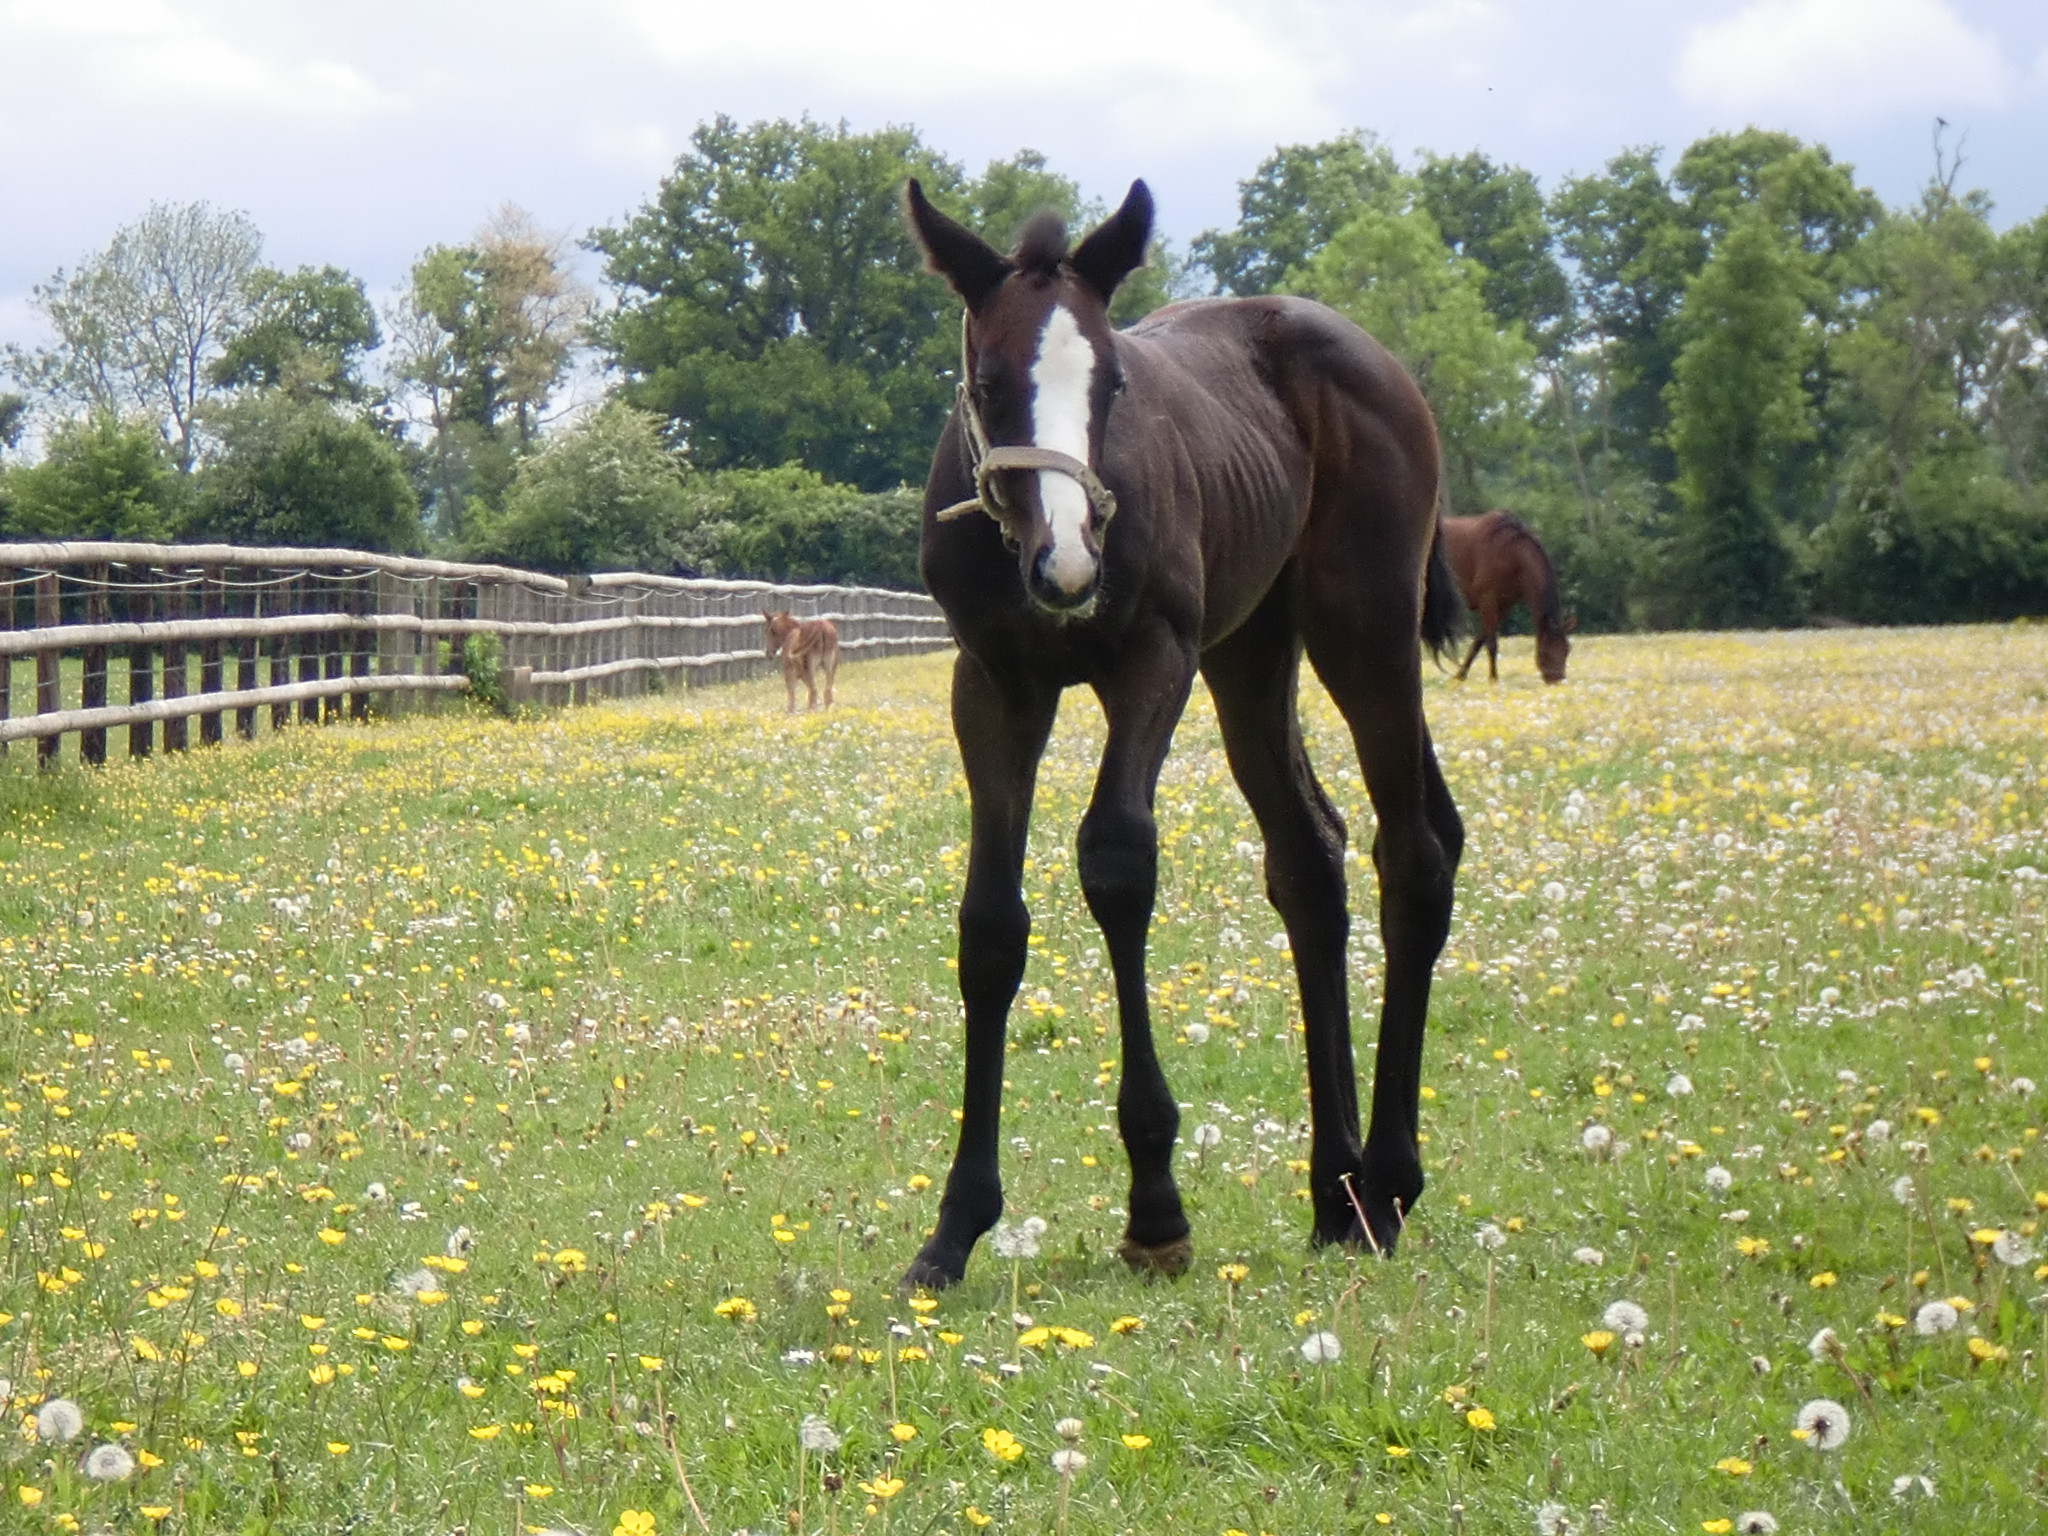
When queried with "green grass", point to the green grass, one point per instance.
{"points": [[654, 1003]]}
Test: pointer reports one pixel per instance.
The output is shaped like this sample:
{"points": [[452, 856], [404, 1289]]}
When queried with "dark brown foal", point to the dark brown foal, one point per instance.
{"points": [[1225, 484]]}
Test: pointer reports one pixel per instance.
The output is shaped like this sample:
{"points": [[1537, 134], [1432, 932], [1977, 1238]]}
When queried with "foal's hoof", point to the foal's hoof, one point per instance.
{"points": [[931, 1271], [1378, 1234], [1170, 1259]]}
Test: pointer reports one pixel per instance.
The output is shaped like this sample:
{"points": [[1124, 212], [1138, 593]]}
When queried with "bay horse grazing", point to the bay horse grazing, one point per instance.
{"points": [[803, 644], [1499, 563], [1213, 490]]}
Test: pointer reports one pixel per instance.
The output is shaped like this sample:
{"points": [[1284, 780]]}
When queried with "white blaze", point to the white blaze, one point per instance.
{"points": [[1062, 386]]}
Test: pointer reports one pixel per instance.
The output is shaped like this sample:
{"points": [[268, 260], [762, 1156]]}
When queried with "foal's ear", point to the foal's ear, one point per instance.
{"points": [[1116, 247], [973, 267]]}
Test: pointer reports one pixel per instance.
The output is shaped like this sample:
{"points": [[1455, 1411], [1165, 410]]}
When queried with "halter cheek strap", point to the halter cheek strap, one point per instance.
{"points": [[985, 462]]}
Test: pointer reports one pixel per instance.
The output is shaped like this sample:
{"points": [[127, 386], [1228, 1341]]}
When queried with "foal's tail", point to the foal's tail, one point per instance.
{"points": [[1443, 610]]}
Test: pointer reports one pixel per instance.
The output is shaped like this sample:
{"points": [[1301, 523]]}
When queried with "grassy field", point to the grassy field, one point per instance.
{"points": [[474, 1125]]}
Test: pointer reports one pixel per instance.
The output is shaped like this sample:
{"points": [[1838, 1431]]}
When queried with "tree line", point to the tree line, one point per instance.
{"points": [[1734, 389]]}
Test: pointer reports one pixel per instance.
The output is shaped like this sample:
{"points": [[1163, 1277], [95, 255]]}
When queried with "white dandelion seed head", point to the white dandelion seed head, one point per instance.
{"points": [[59, 1419], [1592, 1256], [1829, 996], [1719, 1179], [2013, 1249], [1760, 1365], [1825, 1345], [1756, 1522], [109, 1463], [1015, 1243], [376, 1193], [1554, 891], [1826, 1423], [1878, 1131], [1208, 1134], [2021, 1087], [1197, 1033], [235, 1062], [1070, 1429], [1596, 1138], [1678, 1085], [1625, 1317], [1321, 1348], [460, 1242], [1737, 1216], [1910, 1483], [1935, 1317], [1553, 1519], [817, 1436], [298, 1141], [799, 1357], [1490, 1237], [1902, 1189], [1635, 1338], [1847, 1077], [1067, 1461]]}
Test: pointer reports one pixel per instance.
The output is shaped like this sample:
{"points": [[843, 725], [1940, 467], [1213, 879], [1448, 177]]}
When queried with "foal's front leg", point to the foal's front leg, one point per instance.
{"points": [[1119, 869], [1002, 729]]}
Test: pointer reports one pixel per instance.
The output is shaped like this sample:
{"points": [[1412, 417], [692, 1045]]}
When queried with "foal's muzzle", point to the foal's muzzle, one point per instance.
{"points": [[1050, 595]]}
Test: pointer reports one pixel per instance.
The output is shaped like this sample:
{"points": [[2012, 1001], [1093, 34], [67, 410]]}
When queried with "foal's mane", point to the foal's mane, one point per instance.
{"points": [[1509, 528], [1041, 244]]}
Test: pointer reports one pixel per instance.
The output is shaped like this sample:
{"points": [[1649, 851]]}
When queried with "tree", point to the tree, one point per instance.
{"points": [[13, 417], [605, 495], [1738, 407], [1392, 273], [1494, 215], [484, 336], [99, 478], [140, 324], [1292, 205], [772, 309], [788, 524], [307, 333], [302, 472]]}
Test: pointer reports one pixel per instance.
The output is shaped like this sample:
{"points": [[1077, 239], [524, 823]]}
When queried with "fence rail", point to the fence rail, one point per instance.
{"points": [[309, 633]]}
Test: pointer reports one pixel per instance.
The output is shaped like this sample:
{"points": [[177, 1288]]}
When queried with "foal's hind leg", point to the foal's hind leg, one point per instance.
{"points": [[1252, 677], [1118, 862], [1364, 645], [1002, 731]]}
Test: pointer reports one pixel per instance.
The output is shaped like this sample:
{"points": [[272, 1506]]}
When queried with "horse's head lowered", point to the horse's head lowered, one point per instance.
{"points": [[1039, 373]]}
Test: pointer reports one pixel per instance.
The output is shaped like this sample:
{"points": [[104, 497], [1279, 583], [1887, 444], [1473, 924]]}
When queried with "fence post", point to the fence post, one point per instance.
{"points": [[135, 602], [7, 581], [170, 605], [209, 653], [48, 615], [92, 683], [245, 669], [361, 602]]}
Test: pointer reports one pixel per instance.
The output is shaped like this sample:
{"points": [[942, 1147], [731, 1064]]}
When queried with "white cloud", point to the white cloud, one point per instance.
{"points": [[1841, 60], [126, 49], [1161, 71]]}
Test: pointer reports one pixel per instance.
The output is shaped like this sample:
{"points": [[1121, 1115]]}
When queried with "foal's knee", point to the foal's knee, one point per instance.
{"points": [[1416, 885], [995, 930], [1118, 863]]}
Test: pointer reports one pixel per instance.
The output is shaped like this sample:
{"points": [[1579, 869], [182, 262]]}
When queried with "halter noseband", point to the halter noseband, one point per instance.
{"points": [[985, 461]]}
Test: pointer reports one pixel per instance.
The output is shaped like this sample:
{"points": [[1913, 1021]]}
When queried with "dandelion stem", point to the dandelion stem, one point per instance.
{"points": [[1934, 1237], [1486, 1332]]}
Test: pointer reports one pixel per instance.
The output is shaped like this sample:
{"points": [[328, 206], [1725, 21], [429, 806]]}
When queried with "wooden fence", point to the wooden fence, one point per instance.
{"points": [[216, 630]]}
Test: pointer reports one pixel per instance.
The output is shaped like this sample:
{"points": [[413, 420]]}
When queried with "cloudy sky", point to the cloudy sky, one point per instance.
{"points": [[360, 132]]}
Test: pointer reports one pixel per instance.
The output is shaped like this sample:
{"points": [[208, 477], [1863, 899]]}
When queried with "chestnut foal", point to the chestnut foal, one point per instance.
{"points": [[803, 644]]}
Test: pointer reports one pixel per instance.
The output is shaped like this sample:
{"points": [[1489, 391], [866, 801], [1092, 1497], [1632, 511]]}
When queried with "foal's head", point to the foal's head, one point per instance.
{"points": [[1042, 371], [780, 627]]}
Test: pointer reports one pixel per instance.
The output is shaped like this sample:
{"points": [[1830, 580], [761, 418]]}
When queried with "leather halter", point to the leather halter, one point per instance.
{"points": [[984, 461]]}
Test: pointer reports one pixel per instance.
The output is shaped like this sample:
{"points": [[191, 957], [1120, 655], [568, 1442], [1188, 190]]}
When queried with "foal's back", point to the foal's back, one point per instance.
{"points": [[1276, 432]]}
